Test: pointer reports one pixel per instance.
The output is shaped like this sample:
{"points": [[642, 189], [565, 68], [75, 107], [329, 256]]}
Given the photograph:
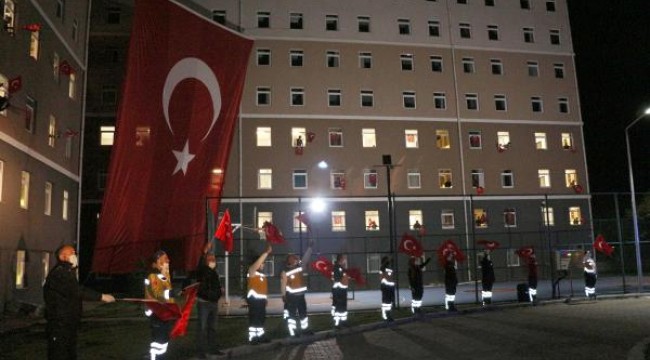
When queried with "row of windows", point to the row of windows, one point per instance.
{"points": [[25, 183]]}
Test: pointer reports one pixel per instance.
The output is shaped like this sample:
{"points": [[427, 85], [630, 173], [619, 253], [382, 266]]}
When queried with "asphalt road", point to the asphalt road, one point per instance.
{"points": [[603, 329]]}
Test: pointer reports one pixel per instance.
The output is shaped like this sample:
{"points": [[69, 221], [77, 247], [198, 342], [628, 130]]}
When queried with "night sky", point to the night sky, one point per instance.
{"points": [[611, 40]]}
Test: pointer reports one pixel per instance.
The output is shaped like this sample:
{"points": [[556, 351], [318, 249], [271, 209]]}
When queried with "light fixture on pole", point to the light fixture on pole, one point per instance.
{"points": [[635, 220]]}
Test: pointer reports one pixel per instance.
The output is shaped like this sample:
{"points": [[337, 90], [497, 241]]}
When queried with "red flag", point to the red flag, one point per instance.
{"points": [[176, 120], [164, 311], [603, 246], [180, 328], [525, 251], [323, 266], [65, 68], [410, 246], [447, 247], [489, 245], [304, 218], [272, 233], [224, 232], [32, 27], [15, 84], [355, 273]]}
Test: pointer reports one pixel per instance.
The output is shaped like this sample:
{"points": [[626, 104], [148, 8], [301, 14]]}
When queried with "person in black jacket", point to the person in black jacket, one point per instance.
{"points": [[451, 281], [487, 279], [415, 281], [63, 296], [207, 303]]}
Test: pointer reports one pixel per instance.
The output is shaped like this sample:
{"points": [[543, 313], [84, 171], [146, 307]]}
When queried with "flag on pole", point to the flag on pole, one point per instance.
{"points": [[324, 266], [180, 328], [272, 233], [410, 246], [224, 232]]}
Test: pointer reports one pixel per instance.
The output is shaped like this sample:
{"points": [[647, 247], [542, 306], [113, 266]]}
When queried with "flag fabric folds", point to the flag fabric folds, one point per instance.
{"points": [[65, 68], [272, 233], [164, 311], [355, 274], [175, 124], [224, 232], [488, 244], [603, 246], [323, 266], [15, 84], [180, 328], [525, 252], [304, 219], [410, 246], [447, 247]]}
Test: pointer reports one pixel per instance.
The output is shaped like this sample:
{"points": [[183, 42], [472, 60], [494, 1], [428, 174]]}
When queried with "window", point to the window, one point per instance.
{"points": [[540, 141], [489, 2], [468, 65], [338, 220], [297, 136], [106, 135], [478, 178], [51, 132], [113, 15], [567, 141], [408, 99], [334, 97], [529, 35], [436, 63], [337, 178], [48, 198], [547, 216], [406, 61], [65, 205], [480, 218], [444, 178], [9, 16], [544, 176], [550, 5], [404, 26], [373, 263], [509, 218], [219, 16], [365, 60], [570, 178], [21, 271], [525, 4], [465, 30], [263, 57], [263, 135], [299, 179], [335, 137], [367, 98], [331, 22], [442, 139], [263, 19], [507, 179], [563, 105], [24, 190], [263, 96], [500, 103], [332, 59], [512, 259], [369, 179], [60, 9], [475, 140], [533, 68], [493, 32], [411, 138], [34, 44], [415, 217], [447, 219], [55, 66], [142, 135], [503, 140], [558, 69], [496, 66], [45, 262], [102, 176], [262, 217], [297, 97], [554, 37], [575, 218], [368, 138], [440, 100], [536, 104], [295, 21], [72, 86], [2, 175], [434, 28], [265, 179], [372, 220], [363, 24], [471, 101], [296, 58], [109, 95], [413, 179], [464, 2]]}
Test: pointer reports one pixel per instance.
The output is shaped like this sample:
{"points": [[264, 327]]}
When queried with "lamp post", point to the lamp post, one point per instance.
{"points": [[387, 162], [635, 220]]}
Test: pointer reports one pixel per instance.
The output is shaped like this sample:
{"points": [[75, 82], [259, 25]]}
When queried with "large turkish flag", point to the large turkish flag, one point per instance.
{"points": [[180, 102]]}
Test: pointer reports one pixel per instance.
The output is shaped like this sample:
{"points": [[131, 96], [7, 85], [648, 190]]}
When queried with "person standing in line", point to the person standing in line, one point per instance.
{"points": [[293, 289], [387, 289], [416, 265], [532, 278], [207, 302], [258, 290], [63, 304], [590, 275], [451, 281], [158, 287], [487, 278], [340, 291]]}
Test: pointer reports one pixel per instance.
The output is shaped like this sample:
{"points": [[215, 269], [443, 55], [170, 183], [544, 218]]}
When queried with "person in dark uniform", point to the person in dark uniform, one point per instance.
{"points": [[258, 290], [340, 291], [293, 289], [63, 298], [451, 281], [416, 265], [158, 287], [207, 302], [590, 275], [387, 289], [487, 278], [532, 278]]}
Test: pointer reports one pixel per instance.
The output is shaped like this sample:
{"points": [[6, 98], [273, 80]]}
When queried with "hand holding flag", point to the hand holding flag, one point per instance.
{"points": [[224, 232]]}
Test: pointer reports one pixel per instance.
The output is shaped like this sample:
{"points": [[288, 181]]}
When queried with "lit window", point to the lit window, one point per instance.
{"points": [[442, 139], [337, 178], [332, 58], [411, 138], [9, 16], [262, 217], [536, 104], [363, 23], [45, 263], [263, 57], [478, 178], [298, 136], [468, 65], [436, 63], [296, 58], [413, 179], [533, 68], [219, 16], [106, 135], [404, 26], [563, 105], [55, 66], [512, 258], [507, 179], [373, 263], [72, 86], [480, 218], [265, 179], [493, 32], [369, 138], [415, 219], [331, 22], [367, 98], [475, 140], [299, 179], [548, 219], [529, 35], [554, 36], [575, 217], [440, 100], [335, 137], [496, 66], [406, 61], [570, 178], [295, 21], [297, 96], [434, 28], [338, 220], [471, 101], [540, 141], [142, 135], [500, 103], [544, 176], [21, 269], [444, 179], [34, 44], [369, 179], [408, 99], [263, 136], [48, 198], [263, 96], [333, 97], [65, 205], [299, 226], [263, 19], [558, 70], [51, 132], [567, 141], [447, 219], [372, 220], [503, 140], [465, 30], [365, 60], [509, 218]]}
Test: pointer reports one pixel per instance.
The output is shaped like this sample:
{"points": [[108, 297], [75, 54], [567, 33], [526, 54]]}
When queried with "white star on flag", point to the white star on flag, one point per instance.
{"points": [[184, 157]]}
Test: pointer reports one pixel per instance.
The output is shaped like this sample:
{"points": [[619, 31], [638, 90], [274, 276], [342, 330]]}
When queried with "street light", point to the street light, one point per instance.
{"points": [[635, 220]]}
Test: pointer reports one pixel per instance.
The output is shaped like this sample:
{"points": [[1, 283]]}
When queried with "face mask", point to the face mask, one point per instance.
{"points": [[212, 265], [72, 259]]}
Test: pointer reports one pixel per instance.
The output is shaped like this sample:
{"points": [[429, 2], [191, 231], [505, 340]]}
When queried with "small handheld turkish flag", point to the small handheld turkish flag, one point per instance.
{"points": [[272, 233], [603, 246], [323, 266], [410, 246], [525, 251], [224, 232], [449, 247]]}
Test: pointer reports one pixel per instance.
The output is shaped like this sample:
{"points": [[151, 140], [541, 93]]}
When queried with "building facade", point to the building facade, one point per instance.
{"points": [[42, 79]]}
